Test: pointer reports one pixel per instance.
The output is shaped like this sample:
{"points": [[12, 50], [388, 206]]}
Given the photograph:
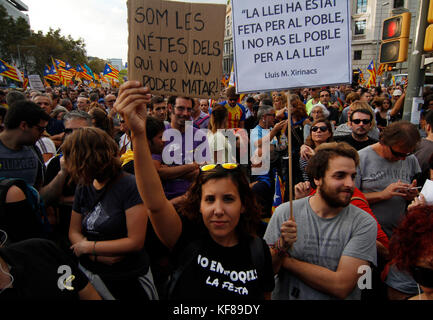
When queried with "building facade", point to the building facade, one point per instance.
{"points": [[16, 9], [117, 63], [367, 21], [228, 41]]}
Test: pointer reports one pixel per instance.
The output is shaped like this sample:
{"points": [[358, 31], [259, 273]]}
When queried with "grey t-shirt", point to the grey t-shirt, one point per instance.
{"points": [[322, 242], [23, 164], [374, 174]]}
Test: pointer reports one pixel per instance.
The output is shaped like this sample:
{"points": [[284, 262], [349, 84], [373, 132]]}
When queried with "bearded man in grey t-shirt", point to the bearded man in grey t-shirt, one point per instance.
{"points": [[330, 243]]}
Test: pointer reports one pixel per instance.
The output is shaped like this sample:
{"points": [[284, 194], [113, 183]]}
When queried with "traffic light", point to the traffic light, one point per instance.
{"points": [[428, 41], [395, 38]]}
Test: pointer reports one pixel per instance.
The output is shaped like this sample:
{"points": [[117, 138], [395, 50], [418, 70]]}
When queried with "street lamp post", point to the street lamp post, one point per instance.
{"points": [[19, 54], [378, 31]]}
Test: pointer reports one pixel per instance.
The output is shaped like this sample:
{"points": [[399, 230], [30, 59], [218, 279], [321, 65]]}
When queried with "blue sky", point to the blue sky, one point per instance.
{"points": [[101, 23]]}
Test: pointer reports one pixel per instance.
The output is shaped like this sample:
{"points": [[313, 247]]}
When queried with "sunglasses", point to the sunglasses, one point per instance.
{"points": [[227, 166], [364, 121], [321, 128], [423, 276], [399, 154]]}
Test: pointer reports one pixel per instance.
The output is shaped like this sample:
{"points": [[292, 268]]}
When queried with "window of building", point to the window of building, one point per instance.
{"points": [[361, 6], [360, 27], [398, 3], [357, 55]]}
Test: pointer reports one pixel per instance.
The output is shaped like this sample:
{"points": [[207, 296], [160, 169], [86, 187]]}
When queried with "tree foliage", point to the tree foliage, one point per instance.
{"points": [[33, 50], [97, 65]]}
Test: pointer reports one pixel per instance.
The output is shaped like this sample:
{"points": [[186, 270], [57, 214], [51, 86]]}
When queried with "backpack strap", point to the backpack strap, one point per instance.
{"points": [[190, 253]]}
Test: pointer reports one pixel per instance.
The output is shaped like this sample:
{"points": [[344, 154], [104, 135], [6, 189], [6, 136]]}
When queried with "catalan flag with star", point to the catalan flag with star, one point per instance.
{"points": [[82, 74], [6, 70], [63, 72], [111, 72], [372, 70], [51, 74]]}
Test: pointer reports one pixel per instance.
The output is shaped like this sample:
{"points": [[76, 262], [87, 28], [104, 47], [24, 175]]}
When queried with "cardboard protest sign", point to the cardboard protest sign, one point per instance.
{"points": [[289, 44], [176, 48]]}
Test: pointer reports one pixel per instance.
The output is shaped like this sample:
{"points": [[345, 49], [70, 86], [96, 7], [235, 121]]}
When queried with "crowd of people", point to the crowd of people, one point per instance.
{"points": [[149, 197]]}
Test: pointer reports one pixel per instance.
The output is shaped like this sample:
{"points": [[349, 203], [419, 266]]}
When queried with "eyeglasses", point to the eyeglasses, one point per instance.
{"points": [[423, 276], [227, 166], [364, 121], [399, 154], [321, 128], [182, 109]]}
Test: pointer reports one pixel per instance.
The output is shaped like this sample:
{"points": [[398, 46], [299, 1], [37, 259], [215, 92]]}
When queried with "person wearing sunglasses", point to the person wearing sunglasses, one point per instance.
{"points": [[411, 248], [361, 121], [387, 173], [211, 233], [320, 132]]}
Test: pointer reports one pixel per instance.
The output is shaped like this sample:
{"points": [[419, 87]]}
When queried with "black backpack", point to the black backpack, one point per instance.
{"points": [[191, 251], [24, 225]]}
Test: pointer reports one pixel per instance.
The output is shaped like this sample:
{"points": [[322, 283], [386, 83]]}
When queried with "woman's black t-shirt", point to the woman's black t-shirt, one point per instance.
{"points": [[220, 273], [106, 220]]}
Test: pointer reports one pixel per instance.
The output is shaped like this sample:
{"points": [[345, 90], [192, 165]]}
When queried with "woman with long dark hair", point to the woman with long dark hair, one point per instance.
{"points": [[213, 233]]}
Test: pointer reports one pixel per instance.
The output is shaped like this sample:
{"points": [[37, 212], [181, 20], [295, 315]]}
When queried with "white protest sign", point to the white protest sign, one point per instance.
{"points": [[288, 44], [36, 83], [427, 191]]}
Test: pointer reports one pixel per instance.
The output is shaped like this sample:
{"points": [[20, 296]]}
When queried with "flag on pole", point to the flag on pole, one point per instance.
{"points": [[89, 71], [111, 72], [6, 70], [64, 70], [372, 70], [82, 74], [381, 69], [25, 80], [51, 74], [279, 192]]}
